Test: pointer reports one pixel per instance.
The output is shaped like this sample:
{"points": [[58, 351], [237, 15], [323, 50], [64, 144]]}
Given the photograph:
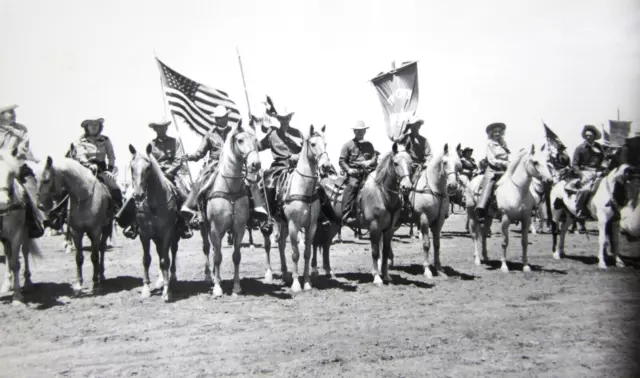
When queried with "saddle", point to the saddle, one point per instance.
{"points": [[334, 188]]}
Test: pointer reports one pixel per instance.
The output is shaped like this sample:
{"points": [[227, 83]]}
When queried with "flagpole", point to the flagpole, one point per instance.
{"points": [[164, 96], [244, 83]]}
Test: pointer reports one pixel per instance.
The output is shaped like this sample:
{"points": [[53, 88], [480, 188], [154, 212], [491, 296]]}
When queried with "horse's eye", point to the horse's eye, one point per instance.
{"points": [[313, 144], [395, 163], [536, 163], [240, 141]]}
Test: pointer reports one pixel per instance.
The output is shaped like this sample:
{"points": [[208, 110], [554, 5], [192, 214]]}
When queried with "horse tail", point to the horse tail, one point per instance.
{"points": [[31, 246]]}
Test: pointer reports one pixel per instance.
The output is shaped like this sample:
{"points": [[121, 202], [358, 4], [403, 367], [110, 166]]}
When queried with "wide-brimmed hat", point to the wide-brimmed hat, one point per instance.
{"points": [[87, 122], [415, 121], [286, 113], [359, 125], [469, 149], [496, 126], [597, 134], [8, 108], [220, 111], [161, 123]]}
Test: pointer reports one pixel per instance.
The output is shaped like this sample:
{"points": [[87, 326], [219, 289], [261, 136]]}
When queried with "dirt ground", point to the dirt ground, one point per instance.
{"points": [[566, 318]]}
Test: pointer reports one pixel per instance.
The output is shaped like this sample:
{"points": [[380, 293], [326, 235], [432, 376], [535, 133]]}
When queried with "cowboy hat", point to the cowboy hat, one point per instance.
{"points": [[8, 108], [360, 125], [597, 134], [87, 122], [220, 111], [634, 132], [496, 125], [163, 123], [284, 114], [469, 149], [415, 121]]}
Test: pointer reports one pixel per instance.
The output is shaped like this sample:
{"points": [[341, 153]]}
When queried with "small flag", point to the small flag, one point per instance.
{"points": [[553, 141], [618, 132], [606, 138], [195, 102]]}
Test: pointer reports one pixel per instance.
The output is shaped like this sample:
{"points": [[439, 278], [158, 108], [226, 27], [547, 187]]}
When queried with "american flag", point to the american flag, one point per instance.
{"points": [[552, 139], [195, 102]]}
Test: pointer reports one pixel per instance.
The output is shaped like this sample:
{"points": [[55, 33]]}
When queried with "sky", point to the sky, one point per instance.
{"points": [[569, 63]]}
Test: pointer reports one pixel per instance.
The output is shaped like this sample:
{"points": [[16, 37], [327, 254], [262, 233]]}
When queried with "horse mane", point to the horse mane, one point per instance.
{"points": [[512, 165], [382, 170], [11, 160], [153, 163], [228, 141]]}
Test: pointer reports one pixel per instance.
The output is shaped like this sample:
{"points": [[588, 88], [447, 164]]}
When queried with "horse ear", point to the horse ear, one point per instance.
{"points": [[446, 148], [132, 149], [533, 149], [543, 146], [149, 149], [459, 147], [311, 130], [394, 148], [239, 129], [14, 152], [324, 127], [49, 162]]}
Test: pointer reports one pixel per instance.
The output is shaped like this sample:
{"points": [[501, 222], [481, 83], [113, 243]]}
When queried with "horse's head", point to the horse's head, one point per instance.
{"points": [[244, 145], [538, 165], [317, 149], [451, 166], [140, 167], [402, 165], [9, 170], [49, 184]]}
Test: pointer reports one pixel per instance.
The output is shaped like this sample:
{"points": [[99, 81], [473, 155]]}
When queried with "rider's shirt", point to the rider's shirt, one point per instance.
{"points": [[354, 152], [588, 157], [95, 149], [168, 153], [419, 149], [497, 155], [282, 144], [212, 143], [15, 137]]}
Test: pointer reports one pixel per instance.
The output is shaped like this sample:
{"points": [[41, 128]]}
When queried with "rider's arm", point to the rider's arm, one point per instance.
{"points": [[111, 156], [496, 156], [577, 158], [427, 152], [343, 162], [265, 143], [174, 165], [201, 151]]}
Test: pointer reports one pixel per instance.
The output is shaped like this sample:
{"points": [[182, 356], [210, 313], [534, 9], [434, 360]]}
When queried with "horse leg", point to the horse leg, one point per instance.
{"points": [[615, 243], [95, 261], [295, 254], [525, 244], [282, 244], [106, 235], [314, 259], [27, 270], [326, 263], [206, 247], [14, 262], [486, 232], [146, 263], [237, 256], [309, 235], [474, 229], [162, 249], [563, 233], [505, 241], [435, 234], [174, 258], [602, 240], [386, 250], [7, 284], [426, 244], [268, 274], [374, 237], [216, 243], [77, 241]]}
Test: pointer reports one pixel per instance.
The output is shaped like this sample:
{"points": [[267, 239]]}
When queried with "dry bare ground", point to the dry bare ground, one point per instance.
{"points": [[564, 319]]}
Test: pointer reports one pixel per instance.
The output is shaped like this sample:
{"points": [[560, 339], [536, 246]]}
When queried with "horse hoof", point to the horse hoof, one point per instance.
{"points": [[296, 286], [6, 287], [166, 297], [427, 272], [28, 286], [602, 266], [146, 292], [207, 278], [96, 290], [173, 279], [307, 286], [159, 283], [77, 289], [217, 291], [18, 302], [556, 255], [268, 277], [620, 264], [504, 268], [390, 263], [68, 250], [387, 278], [377, 280], [526, 269], [330, 275], [315, 272]]}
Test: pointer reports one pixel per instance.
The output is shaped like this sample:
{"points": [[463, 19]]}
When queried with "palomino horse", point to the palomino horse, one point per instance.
{"points": [[513, 200], [157, 215], [430, 202], [379, 204], [227, 203], [13, 230], [301, 205], [603, 208], [89, 202]]}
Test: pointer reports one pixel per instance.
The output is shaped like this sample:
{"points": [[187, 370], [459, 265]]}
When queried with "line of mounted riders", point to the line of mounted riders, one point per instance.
{"points": [[300, 191]]}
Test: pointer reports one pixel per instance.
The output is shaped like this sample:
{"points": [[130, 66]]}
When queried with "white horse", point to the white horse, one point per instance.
{"points": [[514, 201], [603, 210], [630, 213]]}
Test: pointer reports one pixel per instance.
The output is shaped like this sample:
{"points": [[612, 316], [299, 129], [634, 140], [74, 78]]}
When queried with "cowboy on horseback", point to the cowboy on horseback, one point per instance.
{"points": [[212, 144], [630, 152], [285, 143], [419, 150], [469, 165], [587, 162], [357, 158], [497, 160], [95, 151], [168, 153], [15, 137]]}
